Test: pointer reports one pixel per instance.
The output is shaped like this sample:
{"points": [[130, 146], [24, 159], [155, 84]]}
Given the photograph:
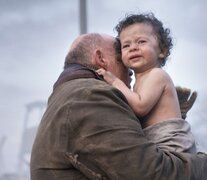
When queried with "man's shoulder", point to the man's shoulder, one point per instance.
{"points": [[89, 85]]}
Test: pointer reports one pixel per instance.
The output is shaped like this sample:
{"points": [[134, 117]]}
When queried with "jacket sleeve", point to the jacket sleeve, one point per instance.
{"points": [[107, 142]]}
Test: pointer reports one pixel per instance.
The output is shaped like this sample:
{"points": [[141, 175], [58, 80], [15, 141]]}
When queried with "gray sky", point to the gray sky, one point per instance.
{"points": [[35, 37]]}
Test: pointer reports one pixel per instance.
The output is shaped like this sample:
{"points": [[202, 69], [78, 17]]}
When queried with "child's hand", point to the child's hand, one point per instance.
{"points": [[108, 76]]}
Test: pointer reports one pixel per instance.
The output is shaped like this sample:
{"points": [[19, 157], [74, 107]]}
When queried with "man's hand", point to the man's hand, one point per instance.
{"points": [[186, 100]]}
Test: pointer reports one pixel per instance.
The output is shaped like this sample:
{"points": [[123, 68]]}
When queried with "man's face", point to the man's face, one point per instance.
{"points": [[114, 62], [121, 71]]}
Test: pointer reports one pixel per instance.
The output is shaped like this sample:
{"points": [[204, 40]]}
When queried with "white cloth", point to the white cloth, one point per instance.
{"points": [[172, 135]]}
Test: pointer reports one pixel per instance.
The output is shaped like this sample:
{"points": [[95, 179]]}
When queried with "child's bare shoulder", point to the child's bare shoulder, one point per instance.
{"points": [[160, 74]]}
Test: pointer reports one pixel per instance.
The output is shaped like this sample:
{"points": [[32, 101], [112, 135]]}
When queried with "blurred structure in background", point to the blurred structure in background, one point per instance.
{"points": [[33, 115], [28, 135], [2, 142], [83, 16]]}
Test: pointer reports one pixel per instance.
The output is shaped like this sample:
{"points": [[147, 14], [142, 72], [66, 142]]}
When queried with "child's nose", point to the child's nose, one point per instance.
{"points": [[134, 46]]}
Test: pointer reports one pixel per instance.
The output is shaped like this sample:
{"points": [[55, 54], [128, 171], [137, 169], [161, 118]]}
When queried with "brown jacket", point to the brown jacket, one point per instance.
{"points": [[89, 132]]}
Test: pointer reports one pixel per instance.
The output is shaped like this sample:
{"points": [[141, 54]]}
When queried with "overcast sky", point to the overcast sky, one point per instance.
{"points": [[35, 36]]}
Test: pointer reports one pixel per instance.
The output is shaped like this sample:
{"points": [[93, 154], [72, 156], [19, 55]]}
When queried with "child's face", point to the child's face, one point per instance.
{"points": [[140, 47]]}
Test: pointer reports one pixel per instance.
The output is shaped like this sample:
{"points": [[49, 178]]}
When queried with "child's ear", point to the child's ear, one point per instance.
{"points": [[163, 53], [98, 58]]}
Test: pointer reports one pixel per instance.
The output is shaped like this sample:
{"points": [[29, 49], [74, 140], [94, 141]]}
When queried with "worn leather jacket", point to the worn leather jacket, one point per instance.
{"points": [[89, 132]]}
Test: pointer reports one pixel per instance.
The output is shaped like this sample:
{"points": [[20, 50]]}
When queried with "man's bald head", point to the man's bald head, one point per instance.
{"points": [[82, 49], [97, 51]]}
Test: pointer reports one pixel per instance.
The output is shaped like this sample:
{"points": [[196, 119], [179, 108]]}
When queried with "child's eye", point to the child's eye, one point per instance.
{"points": [[125, 46], [141, 42]]}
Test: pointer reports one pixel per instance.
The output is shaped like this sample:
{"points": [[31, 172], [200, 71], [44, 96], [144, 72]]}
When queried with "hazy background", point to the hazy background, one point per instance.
{"points": [[35, 36]]}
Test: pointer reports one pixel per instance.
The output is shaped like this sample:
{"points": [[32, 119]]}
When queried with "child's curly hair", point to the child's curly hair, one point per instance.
{"points": [[163, 34]]}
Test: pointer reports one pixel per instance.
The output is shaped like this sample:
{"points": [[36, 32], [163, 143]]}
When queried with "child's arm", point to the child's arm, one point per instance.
{"points": [[144, 99]]}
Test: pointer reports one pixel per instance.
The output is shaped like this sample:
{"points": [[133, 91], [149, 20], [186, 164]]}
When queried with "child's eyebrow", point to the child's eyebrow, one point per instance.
{"points": [[126, 41]]}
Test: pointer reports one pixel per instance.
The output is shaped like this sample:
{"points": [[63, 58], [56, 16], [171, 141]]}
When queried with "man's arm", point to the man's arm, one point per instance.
{"points": [[109, 143]]}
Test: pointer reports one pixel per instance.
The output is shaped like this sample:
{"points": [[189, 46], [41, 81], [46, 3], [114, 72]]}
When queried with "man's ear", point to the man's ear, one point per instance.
{"points": [[98, 59]]}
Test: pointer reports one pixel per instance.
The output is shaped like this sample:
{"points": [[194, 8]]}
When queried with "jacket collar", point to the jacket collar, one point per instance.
{"points": [[76, 71]]}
